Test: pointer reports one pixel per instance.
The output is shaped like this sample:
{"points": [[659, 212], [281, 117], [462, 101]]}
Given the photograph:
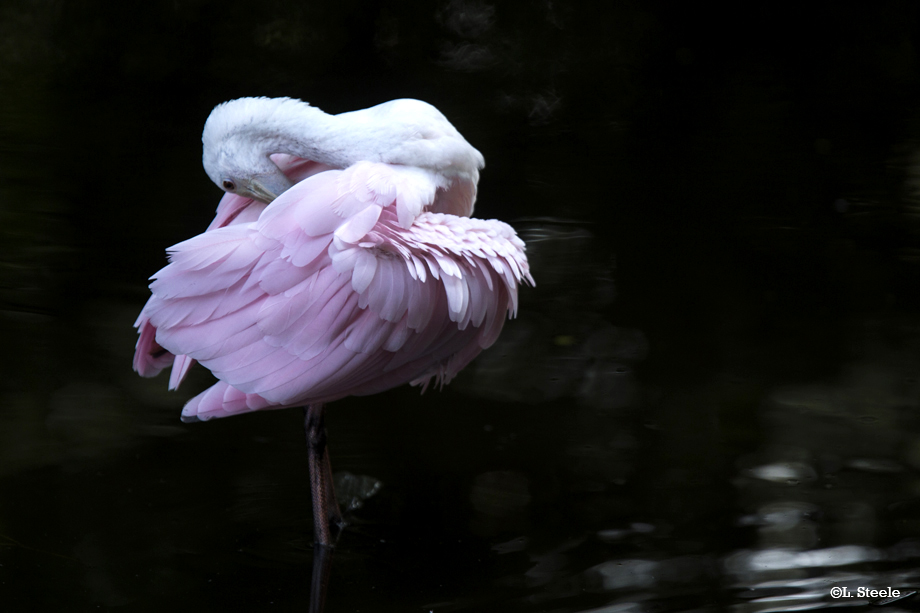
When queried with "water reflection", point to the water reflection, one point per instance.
{"points": [[570, 349], [828, 480]]}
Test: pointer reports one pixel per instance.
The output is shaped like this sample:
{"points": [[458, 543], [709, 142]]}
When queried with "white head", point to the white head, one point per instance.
{"points": [[240, 136]]}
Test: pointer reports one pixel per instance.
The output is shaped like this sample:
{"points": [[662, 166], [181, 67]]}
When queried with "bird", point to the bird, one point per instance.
{"points": [[342, 261]]}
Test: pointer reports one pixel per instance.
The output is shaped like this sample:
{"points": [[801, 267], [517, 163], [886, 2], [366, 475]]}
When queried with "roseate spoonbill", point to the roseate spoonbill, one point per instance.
{"points": [[342, 261]]}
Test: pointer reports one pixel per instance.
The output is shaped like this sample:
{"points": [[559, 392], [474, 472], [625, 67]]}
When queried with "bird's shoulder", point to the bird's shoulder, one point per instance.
{"points": [[323, 203]]}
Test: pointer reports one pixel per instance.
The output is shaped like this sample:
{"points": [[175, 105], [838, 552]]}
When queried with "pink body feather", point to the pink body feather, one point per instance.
{"points": [[351, 282]]}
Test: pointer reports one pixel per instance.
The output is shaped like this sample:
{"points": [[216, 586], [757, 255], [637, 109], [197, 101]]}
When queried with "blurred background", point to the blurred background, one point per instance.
{"points": [[709, 401]]}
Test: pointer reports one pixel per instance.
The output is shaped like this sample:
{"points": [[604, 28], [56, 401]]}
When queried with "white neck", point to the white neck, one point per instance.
{"points": [[407, 132]]}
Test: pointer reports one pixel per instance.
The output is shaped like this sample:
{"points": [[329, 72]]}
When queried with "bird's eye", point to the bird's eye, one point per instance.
{"points": [[229, 185]]}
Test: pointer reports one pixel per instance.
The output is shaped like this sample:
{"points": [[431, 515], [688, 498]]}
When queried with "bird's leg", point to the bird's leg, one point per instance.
{"points": [[327, 519], [319, 583]]}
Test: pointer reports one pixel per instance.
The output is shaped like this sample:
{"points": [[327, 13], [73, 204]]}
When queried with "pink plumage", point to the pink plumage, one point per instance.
{"points": [[353, 281]]}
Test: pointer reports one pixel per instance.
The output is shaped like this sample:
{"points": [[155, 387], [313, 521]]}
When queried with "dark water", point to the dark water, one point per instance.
{"points": [[710, 401]]}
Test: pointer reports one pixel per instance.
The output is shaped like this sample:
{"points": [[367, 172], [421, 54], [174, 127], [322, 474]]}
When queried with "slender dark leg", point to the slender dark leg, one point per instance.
{"points": [[322, 563], [327, 519]]}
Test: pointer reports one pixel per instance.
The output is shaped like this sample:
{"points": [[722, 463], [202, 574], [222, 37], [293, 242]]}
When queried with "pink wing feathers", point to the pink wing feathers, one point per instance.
{"points": [[149, 357], [342, 286]]}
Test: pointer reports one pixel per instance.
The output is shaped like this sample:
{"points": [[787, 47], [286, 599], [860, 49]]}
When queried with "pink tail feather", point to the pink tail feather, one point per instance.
{"points": [[180, 368], [222, 400], [149, 357]]}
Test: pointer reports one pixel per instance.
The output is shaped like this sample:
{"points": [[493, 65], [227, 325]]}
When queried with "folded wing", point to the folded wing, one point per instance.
{"points": [[342, 286]]}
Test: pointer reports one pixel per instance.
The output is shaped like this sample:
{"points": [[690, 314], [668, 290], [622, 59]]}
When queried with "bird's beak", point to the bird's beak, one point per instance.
{"points": [[260, 192]]}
